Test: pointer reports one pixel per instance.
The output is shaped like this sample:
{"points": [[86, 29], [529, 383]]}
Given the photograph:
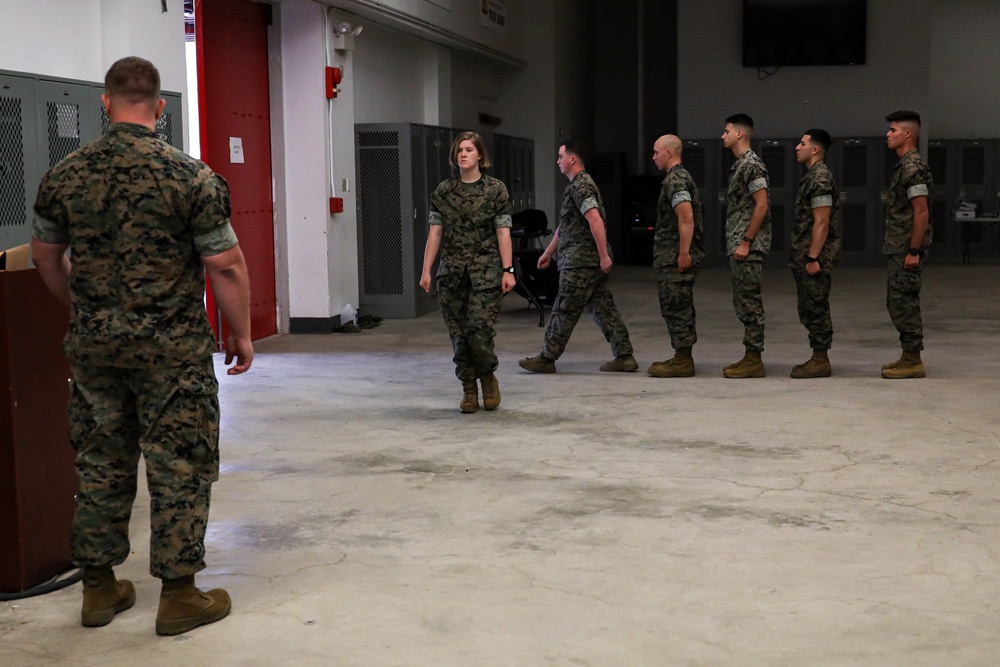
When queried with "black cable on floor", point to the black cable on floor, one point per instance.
{"points": [[48, 586]]}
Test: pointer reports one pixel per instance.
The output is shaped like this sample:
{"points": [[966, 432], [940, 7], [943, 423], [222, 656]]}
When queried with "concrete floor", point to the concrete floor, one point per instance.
{"points": [[596, 519]]}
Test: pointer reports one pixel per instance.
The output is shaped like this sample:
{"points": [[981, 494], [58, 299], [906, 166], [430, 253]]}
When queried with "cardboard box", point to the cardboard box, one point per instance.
{"points": [[16, 259]]}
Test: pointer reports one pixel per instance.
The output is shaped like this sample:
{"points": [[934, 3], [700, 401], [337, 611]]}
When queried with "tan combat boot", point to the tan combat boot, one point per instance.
{"points": [[680, 366], [470, 397], [818, 366], [104, 596], [624, 363], [184, 607], [491, 391], [907, 366], [538, 364], [750, 366]]}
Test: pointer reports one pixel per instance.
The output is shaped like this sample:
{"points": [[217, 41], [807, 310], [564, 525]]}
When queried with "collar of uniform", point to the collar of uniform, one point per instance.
{"points": [[133, 128], [579, 174], [907, 154]]}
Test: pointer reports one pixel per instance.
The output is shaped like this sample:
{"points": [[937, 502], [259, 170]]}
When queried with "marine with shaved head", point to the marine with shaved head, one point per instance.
{"points": [[907, 240], [678, 250]]}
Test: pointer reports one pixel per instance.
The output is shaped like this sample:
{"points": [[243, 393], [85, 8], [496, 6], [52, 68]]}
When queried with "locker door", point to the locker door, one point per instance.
{"points": [[942, 156], [854, 163], [170, 126], [698, 159], [976, 178], [19, 172], [65, 120], [726, 159], [783, 174]]}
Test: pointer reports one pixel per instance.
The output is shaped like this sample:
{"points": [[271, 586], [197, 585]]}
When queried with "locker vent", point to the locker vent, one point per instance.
{"points": [[694, 162], [855, 173], [937, 159], [380, 189], [774, 160], [853, 221], [12, 177], [778, 227], [973, 165], [105, 121], [165, 128], [64, 130], [370, 139]]}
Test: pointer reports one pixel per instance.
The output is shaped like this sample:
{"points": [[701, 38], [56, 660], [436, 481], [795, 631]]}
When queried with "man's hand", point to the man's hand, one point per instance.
{"points": [[606, 264], [543, 261], [242, 350], [812, 268], [742, 251], [425, 281], [911, 261], [507, 282], [683, 261]]}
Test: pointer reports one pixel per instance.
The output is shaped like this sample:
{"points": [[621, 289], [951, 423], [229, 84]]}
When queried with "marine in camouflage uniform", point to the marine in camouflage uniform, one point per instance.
{"points": [[469, 273], [747, 176], [817, 189], [911, 177], [583, 285], [676, 286], [136, 215]]}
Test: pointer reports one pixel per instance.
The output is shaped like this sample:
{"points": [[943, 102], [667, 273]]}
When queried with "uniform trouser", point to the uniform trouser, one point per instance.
{"points": [[171, 417], [579, 290], [814, 307], [903, 302], [676, 290], [747, 302], [470, 316]]}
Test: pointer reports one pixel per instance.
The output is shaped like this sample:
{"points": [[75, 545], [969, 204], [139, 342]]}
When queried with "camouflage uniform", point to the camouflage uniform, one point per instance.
{"points": [[817, 189], [582, 284], [469, 276], [747, 175], [911, 178], [137, 215], [675, 287]]}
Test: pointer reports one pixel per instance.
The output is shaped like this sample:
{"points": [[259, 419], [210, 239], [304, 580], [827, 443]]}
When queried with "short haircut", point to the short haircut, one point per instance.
{"points": [[820, 138], [904, 116], [477, 141], [135, 79], [740, 119], [577, 148]]}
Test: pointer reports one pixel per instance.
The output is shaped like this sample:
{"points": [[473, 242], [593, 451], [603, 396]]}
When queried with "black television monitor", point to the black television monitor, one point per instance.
{"points": [[787, 33]]}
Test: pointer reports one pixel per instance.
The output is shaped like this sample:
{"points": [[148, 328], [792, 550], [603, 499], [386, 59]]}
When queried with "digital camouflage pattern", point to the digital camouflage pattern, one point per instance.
{"points": [[903, 302], [584, 289], [817, 189], [911, 177], [136, 213], [814, 307], [469, 274], [171, 417], [676, 293], [677, 187], [470, 214], [747, 302], [470, 316], [747, 175], [577, 248]]}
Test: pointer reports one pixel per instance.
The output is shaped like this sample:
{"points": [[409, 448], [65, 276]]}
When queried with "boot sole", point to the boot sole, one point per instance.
{"points": [[536, 370], [907, 376], [732, 376], [490, 408], [653, 374], [810, 376], [182, 625], [468, 411]]}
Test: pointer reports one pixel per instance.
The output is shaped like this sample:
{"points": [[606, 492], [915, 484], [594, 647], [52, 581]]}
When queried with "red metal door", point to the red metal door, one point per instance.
{"points": [[234, 104]]}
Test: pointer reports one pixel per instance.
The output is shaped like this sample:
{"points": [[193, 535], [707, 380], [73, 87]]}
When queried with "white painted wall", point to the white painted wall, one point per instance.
{"points": [[847, 101], [81, 39], [394, 77], [965, 69], [318, 149]]}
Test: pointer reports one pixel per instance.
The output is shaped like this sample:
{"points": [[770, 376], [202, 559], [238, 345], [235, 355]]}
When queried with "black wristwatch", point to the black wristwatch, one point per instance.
{"points": [[810, 260], [748, 239], [913, 251], [508, 269]]}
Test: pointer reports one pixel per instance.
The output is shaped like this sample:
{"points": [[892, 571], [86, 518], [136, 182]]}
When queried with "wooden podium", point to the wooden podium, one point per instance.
{"points": [[37, 478]]}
